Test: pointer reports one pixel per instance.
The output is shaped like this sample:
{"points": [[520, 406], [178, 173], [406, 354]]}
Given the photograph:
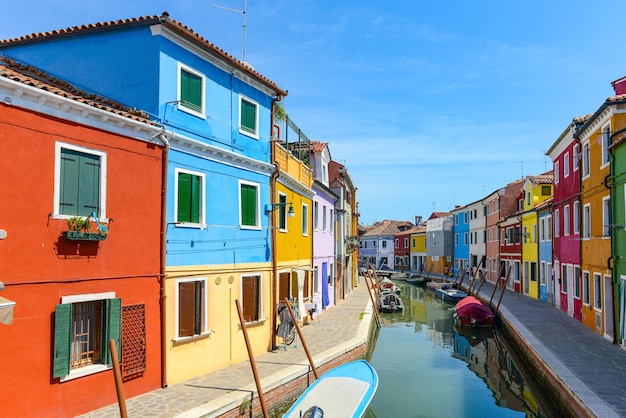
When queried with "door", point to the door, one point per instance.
{"points": [[325, 293], [570, 290], [622, 310], [609, 323]]}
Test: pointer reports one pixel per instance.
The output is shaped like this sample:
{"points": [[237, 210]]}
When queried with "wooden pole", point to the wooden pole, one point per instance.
{"points": [[474, 276], [460, 276], [495, 287], [374, 304], [255, 372], [119, 387], [306, 348], [502, 293]]}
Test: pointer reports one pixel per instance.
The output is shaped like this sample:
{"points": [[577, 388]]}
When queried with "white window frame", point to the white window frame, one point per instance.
{"points": [[180, 106], [586, 290], [587, 221], [556, 172], [205, 320], [202, 200], [281, 211], [606, 217], [260, 312], [576, 157], [557, 223], [566, 221], [257, 225], [566, 165], [305, 220], [59, 146], [576, 218], [605, 141], [597, 292], [316, 209], [586, 160], [242, 131]]}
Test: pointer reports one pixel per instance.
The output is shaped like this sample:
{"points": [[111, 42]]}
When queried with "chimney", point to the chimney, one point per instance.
{"points": [[619, 86], [418, 221]]}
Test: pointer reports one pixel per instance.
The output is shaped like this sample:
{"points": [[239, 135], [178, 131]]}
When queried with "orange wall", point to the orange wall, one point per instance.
{"points": [[38, 267]]}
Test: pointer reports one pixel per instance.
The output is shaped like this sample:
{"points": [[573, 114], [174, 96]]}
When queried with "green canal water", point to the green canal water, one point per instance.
{"points": [[427, 369]]}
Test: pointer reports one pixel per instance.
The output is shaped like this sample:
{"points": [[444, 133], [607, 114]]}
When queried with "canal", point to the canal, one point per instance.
{"points": [[427, 368]]}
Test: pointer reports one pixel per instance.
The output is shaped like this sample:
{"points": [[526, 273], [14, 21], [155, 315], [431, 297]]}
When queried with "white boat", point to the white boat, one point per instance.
{"points": [[390, 302], [450, 295], [344, 391]]}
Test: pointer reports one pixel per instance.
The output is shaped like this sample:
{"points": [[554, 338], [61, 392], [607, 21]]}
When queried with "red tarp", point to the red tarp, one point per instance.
{"points": [[473, 309]]}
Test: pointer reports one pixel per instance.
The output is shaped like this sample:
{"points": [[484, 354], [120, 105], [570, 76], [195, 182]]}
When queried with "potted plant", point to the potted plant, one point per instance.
{"points": [[80, 228]]}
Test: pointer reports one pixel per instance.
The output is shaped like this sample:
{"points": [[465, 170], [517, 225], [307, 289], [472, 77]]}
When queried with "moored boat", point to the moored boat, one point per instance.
{"points": [[449, 294], [390, 302], [344, 391], [472, 312], [416, 279]]}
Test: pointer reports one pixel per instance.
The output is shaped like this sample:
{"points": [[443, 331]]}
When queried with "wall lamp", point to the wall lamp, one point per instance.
{"points": [[274, 206]]}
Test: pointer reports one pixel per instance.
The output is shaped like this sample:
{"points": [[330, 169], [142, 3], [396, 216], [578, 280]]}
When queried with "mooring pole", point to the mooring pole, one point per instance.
{"points": [[502, 293], [119, 387], [374, 304], [495, 287], [306, 348], [255, 372]]}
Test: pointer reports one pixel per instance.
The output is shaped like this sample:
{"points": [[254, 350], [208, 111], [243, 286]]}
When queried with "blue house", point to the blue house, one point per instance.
{"points": [[461, 231], [544, 219], [216, 114]]}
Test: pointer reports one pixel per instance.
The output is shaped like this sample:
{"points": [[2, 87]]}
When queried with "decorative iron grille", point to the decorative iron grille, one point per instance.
{"points": [[133, 341]]}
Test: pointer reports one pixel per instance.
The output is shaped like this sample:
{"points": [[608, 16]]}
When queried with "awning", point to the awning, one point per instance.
{"points": [[6, 311], [303, 268]]}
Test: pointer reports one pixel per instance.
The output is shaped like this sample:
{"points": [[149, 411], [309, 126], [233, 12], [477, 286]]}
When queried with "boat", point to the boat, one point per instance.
{"points": [[433, 285], [344, 391], [387, 286], [472, 312], [449, 294], [390, 302], [416, 279]]}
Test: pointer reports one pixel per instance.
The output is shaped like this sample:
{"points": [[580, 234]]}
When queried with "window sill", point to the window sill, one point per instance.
{"points": [[86, 371], [184, 340], [190, 225], [255, 323], [250, 227]]}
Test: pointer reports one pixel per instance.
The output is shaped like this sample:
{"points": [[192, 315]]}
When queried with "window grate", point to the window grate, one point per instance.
{"points": [[133, 340]]}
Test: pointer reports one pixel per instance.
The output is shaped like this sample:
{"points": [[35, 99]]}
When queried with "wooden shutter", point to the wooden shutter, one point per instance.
{"points": [[186, 304], [191, 90], [79, 184], [113, 328], [248, 205], [189, 191], [62, 340], [248, 116], [250, 298]]}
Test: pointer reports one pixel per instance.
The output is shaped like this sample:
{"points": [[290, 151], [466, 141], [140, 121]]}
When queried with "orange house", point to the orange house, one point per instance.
{"points": [[64, 157]]}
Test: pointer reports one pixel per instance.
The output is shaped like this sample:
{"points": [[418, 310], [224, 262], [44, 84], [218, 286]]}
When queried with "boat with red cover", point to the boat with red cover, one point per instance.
{"points": [[472, 312]]}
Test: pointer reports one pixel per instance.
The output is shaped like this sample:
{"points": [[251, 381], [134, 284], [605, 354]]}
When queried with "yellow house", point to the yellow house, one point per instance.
{"points": [[417, 249], [595, 138], [536, 190], [291, 230]]}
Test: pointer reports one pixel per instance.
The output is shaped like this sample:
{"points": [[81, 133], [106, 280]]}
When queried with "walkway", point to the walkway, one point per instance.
{"points": [[586, 363]]}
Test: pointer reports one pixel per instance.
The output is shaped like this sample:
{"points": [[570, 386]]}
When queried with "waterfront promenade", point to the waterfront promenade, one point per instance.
{"points": [[591, 370]]}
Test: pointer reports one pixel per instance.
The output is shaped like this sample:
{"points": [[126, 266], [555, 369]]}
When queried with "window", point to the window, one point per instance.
{"points": [[586, 158], [305, 219], [315, 215], [576, 219], [323, 217], [577, 282], [597, 291], [542, 229], [566, 165], [332, 221], [397, 242], [557, 223], [563, 278], [83, 326], [517, 234], [191, 87], [587, 221], [586, 288], [606, 141], [80, 185], [549, 228], [465, 238], [465, 217], [542, 273], [249, 205], [282, 211], [406, 243], [576, 157], [546, 191], [566, 222], [456, 239], [534, 233], [556, 172], [191, 300], [384, 244], [251, 297], [606, 216], [528, 198], [248, 117], [189, 194]]}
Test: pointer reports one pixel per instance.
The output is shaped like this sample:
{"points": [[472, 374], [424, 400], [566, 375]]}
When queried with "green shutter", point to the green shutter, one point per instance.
{"points": [[191, 91], [248, 205], [195, 199], [68, 193], [113, 328], [62, 340], [248, 116], [79, 192], [189, 192]]}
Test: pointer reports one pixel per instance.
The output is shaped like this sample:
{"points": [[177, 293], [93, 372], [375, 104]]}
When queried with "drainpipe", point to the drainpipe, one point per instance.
{"points": [[162, 299]]}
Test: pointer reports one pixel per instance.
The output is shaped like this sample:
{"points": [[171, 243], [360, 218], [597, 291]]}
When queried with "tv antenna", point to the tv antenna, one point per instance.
{"points": [[229, 9]]}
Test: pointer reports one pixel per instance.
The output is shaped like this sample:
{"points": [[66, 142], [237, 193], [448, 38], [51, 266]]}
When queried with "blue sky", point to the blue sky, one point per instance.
{"points": [[428, 104]]}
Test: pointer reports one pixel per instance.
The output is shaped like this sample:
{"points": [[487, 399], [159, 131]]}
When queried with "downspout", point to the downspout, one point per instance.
{"points": [[273, 179], [162, 299]]}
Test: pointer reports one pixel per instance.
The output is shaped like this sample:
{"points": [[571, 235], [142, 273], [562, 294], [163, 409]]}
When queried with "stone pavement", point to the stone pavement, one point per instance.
{"points": [[587, 364], [336, 331], [589, 367]]}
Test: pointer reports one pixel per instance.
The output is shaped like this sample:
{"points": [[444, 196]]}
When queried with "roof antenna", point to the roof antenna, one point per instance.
{"points": [[244, 22]]}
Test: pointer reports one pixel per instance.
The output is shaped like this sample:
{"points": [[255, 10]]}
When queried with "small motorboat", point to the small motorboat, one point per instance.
{"points": [[344, 391], [390, 302], [416, 279], [472, 312], [449, 294], [387, 286]]}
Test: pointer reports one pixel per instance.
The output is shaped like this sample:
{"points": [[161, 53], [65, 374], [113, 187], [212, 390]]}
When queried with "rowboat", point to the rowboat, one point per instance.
{"points": [[416, 279], [472, 312], [344, 391], [390, 302], [450, 295]]}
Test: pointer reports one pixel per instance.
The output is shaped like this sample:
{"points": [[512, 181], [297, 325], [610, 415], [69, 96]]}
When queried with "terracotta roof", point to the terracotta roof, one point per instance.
{"points": [[436, 215], [317, 146], [34, 77], [164, 19], [385, 227], [542, 179]]}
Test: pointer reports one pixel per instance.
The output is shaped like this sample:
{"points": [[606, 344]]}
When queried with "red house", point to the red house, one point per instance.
{"points": [[68, 161], [511, 251]]}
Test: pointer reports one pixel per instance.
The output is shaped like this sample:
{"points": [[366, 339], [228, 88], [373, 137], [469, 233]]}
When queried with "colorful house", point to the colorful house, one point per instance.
{"points": [[439, 242], [566, 209], [402, 249], [88, 162], [546, 276], [418, 247], [217, 112], [377, 243], [536, 190], [461, 216], [477, 234], [511, 250], [595, 138], [618, 199]]}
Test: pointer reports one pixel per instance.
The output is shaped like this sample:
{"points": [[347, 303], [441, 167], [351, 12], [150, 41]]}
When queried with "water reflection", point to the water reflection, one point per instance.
{"points": [[427, 368]]}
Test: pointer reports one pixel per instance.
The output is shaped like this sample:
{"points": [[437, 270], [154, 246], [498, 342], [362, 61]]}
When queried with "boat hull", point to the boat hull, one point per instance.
{"points": [[344, 391]]}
